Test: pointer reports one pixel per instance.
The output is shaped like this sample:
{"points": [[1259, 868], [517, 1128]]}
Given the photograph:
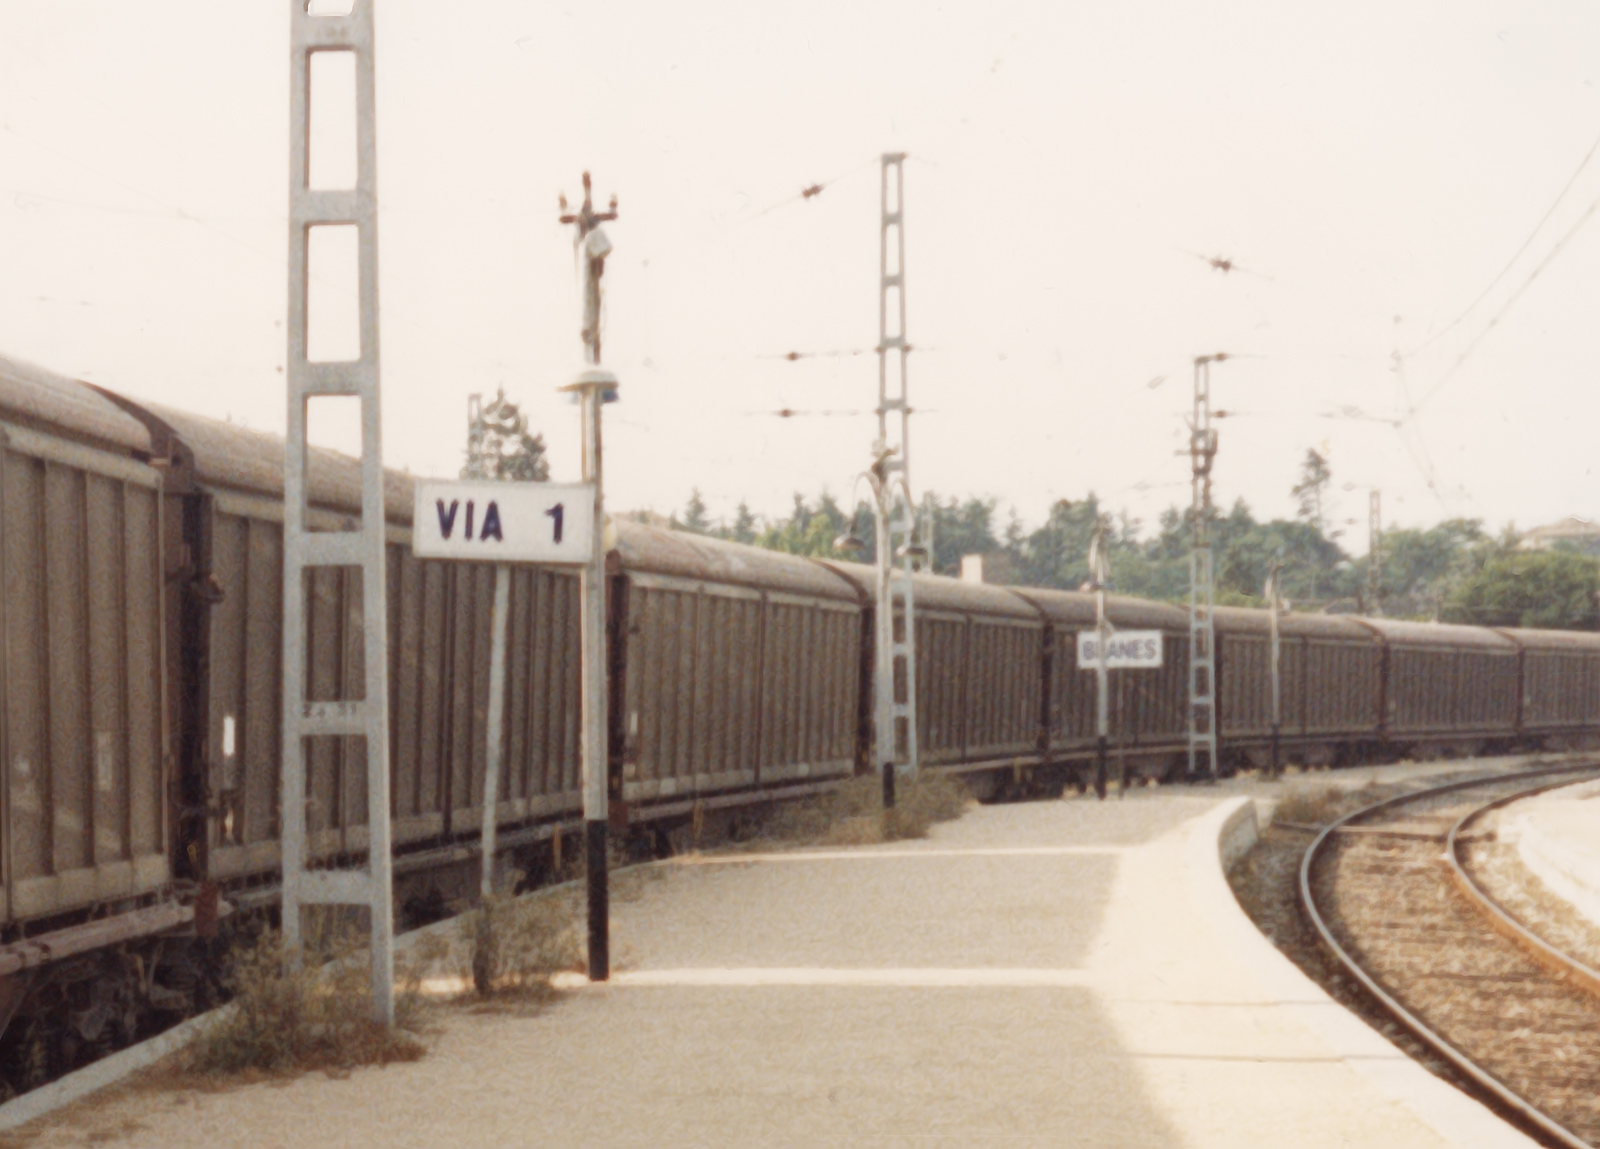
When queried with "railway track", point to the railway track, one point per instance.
{"points": [[1422, 932]]}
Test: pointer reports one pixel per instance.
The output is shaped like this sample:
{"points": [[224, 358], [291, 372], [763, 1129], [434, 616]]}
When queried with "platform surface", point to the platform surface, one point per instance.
{"points": [[1558, 840], [1069, 973]]}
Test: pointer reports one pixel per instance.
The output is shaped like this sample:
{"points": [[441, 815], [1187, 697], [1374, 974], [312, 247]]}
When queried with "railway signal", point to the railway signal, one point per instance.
{"points": [[594, 387]]}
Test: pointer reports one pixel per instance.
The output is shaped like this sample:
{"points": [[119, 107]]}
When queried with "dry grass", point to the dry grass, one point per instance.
{"points": [[852, 813], [1318, 805], [290, 1016], [513, 945]]}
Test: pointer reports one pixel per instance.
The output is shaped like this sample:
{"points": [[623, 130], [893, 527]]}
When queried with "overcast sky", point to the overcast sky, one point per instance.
{"points": [[1371, 168]]}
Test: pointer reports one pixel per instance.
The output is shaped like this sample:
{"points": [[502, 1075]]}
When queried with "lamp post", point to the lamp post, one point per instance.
{"points": [[891, 496], [1270, 591], [1099, 576], [594, 387]]}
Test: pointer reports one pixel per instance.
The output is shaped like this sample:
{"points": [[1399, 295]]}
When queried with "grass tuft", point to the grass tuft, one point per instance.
{"points": [[292, 1016], [852, 813], [1320, 805], [514, 945]]}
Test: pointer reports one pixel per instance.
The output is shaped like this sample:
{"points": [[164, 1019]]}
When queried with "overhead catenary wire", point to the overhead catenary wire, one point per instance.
{"points": [[807, 192], [1506, 307], [1510, 263]]}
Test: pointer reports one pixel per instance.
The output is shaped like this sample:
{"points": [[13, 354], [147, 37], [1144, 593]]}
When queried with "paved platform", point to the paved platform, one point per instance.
{"points": [[1558, 840], [1048, 974]]}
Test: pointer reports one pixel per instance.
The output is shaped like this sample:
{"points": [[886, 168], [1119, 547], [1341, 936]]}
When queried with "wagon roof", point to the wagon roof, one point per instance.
{"points": [[1077, 608], [683, 554], [1552, 639], [938, 592], [54, 403], [227, 455], [1247, 620], [1397, 633]]}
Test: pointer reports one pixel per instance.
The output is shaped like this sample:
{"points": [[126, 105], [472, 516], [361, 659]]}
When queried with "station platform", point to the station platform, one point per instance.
{"points": [[1557, 836], [1046, 974]]}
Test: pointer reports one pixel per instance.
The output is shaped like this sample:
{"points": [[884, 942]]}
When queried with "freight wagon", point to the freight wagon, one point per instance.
{"points": [[140, 687]]}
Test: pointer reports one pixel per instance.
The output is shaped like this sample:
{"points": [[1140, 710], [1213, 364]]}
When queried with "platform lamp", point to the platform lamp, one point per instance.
{"points": [[1274, 604]]}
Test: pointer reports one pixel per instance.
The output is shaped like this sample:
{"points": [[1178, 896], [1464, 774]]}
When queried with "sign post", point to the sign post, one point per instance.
{"points": [[502, 523], [1103, 650], [594, 387], [1271, 593]]}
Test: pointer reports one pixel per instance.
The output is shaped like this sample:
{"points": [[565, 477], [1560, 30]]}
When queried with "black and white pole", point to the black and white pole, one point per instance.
{"points": [[1271, 593], [594, 387], [1099, 575]]}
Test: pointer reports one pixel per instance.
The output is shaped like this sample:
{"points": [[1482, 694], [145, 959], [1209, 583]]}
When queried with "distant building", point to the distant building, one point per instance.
{"points": [[1580, 533], [994, 567]]}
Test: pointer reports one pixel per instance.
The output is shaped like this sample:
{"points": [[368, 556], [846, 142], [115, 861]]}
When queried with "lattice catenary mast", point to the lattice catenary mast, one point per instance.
{"points": [[896, 719], [1202, 580], [366, 717]]}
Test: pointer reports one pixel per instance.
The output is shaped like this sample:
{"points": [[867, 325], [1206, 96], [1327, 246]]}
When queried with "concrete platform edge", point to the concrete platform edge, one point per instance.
{"points": [[107, 1071], [125, 1062], [1218, 839]]}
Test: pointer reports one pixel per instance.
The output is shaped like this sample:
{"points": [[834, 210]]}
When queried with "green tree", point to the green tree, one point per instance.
{"points": [[1419, 566], [1553, 589], [959, 528], [1309, 491], [744, 529], [499, 447], [811, 530], [694, 514]]}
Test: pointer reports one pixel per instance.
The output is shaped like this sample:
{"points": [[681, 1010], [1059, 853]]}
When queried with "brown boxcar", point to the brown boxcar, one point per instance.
{"points": [[226, 494], [83, 737], [1147, 708], [1330, 674], [979, 665], [1446, 685], [1560, 684], [741, 666]]}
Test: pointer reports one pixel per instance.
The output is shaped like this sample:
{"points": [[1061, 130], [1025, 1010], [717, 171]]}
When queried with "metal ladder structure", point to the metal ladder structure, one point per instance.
{"points": [[896, 646], [304, 550], [1202, 582]]}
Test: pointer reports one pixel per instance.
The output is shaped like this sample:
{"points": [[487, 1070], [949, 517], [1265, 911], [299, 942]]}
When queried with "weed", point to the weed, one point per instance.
{"points": [[515, 944], [852, 813], [297, 1012], [1319, 805]]}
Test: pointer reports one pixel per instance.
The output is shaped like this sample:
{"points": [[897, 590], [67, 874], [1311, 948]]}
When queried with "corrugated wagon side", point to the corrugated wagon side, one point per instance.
{"points": [[227, 493], [1147, 713], [1447, 689], [980, 660], [1559, 701], [1330, 681], [83, 739], [740, 668]]}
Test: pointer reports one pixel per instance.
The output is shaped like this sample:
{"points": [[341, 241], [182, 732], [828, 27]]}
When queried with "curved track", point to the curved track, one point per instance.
{"points": [[1512, 1012]]}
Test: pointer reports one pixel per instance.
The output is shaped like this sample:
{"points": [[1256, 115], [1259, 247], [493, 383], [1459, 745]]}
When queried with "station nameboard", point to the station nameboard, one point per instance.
{"points": [[1125, 649], [504, 522]]}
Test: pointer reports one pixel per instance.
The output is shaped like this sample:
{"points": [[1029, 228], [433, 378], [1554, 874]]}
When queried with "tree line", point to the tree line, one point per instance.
{"points": [[1456, 571]]}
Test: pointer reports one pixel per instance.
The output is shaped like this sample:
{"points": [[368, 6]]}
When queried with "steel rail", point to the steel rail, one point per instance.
{"points": [[1456, 1057]]}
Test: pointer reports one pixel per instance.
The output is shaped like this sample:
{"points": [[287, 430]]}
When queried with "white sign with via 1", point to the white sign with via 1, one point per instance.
{"points": [[1125, 649], [504, 522]]}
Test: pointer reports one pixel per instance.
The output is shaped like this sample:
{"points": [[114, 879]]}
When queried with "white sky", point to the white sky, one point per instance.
{"points": [[1379, 161]]}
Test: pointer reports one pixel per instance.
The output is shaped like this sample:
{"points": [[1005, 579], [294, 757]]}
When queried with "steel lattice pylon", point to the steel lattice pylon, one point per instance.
{"points": [[1202, 581], [896, 718], [366, 717]]}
